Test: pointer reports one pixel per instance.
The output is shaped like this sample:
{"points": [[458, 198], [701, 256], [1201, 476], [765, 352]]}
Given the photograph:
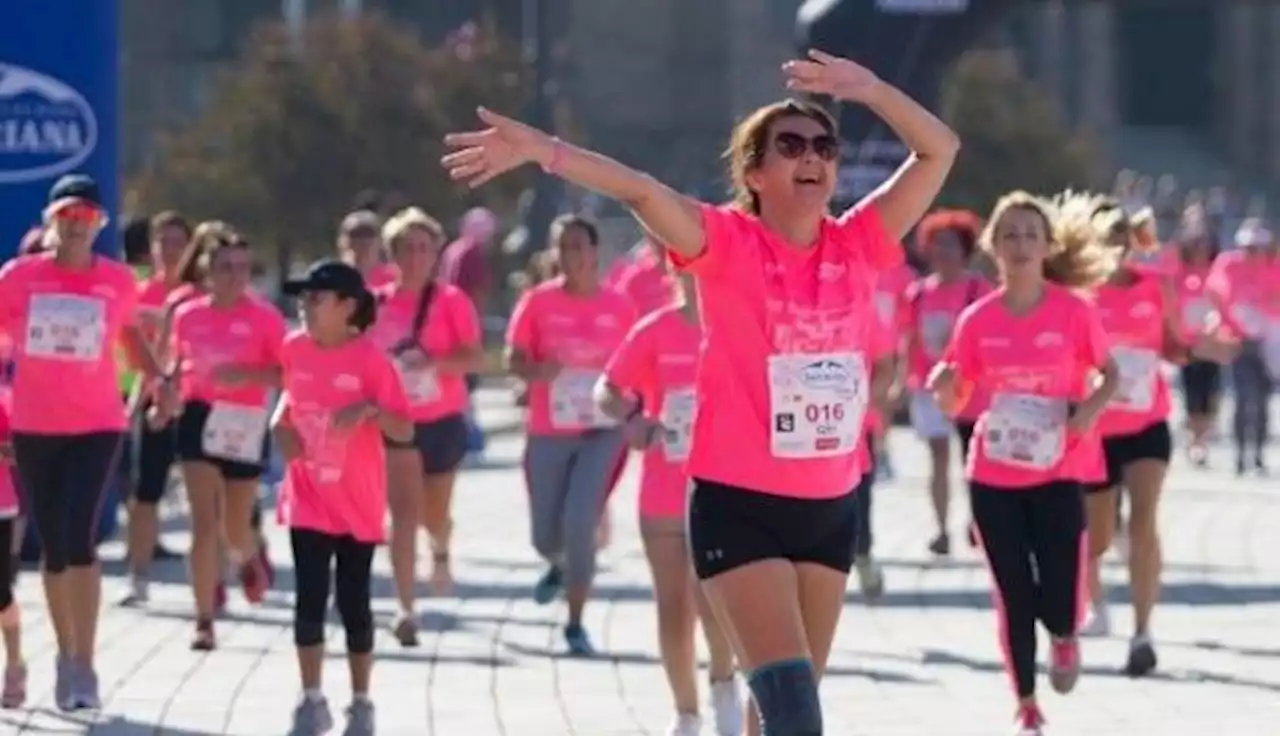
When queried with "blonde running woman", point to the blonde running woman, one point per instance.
{"points": [[648, 388]]}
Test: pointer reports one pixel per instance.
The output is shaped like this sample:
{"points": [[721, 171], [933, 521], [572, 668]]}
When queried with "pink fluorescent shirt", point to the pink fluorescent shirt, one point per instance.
{"points": [[1033, 366], [452, 324], [1133, 318], [1244, 289], [658, 362], [247, 334], [648, 285], [339, 485], [70, 322], [1196, 310], [784, 378], [578, 332]]}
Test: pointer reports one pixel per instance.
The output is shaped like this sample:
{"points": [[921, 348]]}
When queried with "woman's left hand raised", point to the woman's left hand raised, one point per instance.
{"points": [[824, 74]]}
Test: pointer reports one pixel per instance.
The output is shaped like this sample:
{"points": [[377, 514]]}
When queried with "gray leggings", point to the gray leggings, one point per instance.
{"points": [[569, 478], [1252, 386]]}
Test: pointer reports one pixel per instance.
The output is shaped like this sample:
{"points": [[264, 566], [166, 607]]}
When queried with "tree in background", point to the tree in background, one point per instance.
{"points": [[1013, 135], [293, 131]]}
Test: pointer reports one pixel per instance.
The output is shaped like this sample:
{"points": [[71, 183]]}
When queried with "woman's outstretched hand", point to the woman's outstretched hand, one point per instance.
{"points": [[484, 154], [824, 74]]}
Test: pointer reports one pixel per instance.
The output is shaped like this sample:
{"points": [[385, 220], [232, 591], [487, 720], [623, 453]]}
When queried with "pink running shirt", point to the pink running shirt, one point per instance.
{"points": [[658, 362], [1245, 292], [70, 321], [648, 285], [578, 332], [1133, 318], [929, 314], [339, 485], [381, 276], [451, 324], [1196, 310], [891, 290], [153, 294], [1033, 366], [248, 334], [784, 378]]}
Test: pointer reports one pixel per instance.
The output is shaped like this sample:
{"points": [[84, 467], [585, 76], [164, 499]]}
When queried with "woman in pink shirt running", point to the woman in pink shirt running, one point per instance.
{"points": [[785, 293], [648, 387], [72, 308], [948, 240], [360, 244], [432, 331], [343, 403], [225, 351], [1035, 347], [1201, 379]]}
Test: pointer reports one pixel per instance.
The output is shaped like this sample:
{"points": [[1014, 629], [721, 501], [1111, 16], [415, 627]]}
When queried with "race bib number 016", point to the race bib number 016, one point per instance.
{"points": [[1026, 431], [235, 432], [817, 404], [66, 327]]}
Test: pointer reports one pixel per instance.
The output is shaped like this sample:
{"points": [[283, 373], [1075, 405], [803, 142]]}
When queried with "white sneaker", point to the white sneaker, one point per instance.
{"points": [[1097, 622], [726, 703], [870, 578], [687, 724]]}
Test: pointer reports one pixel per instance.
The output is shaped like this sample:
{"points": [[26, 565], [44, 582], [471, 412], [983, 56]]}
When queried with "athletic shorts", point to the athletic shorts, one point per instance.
{"points": [[1201, 386], [1153, 442], [442, 443], [191, 445], [964, 430], [730, 527], [151, 453], [927, 419]]}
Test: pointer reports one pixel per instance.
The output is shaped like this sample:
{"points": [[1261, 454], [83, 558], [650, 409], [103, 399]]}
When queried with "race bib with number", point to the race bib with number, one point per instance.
{"points": [[573, 404], [817, 404], [235, 432], [935, 330], [421, 384], [1025, 431], [1138, 373], [677, 423], [1195, 314], [66, 327]]}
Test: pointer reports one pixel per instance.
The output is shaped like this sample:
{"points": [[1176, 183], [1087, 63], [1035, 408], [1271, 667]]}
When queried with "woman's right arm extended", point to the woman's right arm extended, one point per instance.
{"points": [[670, 217]]}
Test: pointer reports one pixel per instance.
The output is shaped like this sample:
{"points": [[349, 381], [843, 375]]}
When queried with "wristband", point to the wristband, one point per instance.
{"points": [[552, 166]]}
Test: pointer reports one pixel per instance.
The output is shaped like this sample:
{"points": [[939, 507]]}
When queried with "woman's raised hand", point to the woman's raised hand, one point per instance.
{"points": [[824, 74], [505, 144]]}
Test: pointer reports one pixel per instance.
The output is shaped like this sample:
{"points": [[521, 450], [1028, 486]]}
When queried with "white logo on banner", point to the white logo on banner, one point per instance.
{"points": [[47, 128]]}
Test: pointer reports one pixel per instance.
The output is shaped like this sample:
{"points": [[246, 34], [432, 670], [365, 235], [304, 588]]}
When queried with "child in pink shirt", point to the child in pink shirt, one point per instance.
{"points": [[342, 400]]}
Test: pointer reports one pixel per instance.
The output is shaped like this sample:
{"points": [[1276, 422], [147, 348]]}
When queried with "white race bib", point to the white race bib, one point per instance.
{"points": [[1249, 319], [421, 385], [935, 330], [66, 327], [573, 404], [677, 423], [817, 404], [1138, 373], [1025, 431], [1195, 314], [235, 432]]}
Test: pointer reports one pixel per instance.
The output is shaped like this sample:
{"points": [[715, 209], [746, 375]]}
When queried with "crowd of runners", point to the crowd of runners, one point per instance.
{"points": [[752, 352]]}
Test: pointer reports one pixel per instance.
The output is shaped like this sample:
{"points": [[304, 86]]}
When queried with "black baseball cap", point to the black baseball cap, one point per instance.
{"points": [[74, 188], [329, 275]]}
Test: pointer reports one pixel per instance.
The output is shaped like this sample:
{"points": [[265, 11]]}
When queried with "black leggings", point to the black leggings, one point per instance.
{"points": [[1034, 540], [65, 479], [862, 542], [8, 564], [156, 453], [318, 558], [1252, 386]]}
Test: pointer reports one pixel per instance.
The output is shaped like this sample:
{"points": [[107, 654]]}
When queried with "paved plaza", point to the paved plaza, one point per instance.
{"points": [[922, 661]]}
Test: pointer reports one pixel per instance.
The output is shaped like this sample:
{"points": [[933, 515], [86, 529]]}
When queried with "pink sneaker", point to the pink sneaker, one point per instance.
{"points": [[15, 687], [253, 577], [1029, 721], [1064, 664]]}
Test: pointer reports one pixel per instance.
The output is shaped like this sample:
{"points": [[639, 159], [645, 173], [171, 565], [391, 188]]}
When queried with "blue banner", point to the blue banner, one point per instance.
{"points": [[59, 64]]}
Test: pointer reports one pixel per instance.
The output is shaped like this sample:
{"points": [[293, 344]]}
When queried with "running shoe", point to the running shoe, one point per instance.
{"points": [[1097, 621], [726, 704], [688, 724], [311, 717], [941, 545], [549, 586], [1142, 656], [139, 593], [64, 684], [15, 686], [1029, 721], [204, 640], [1064, 664], [253, 579], [577, 641], [870, 578], [359, 718], [84, 688], [405, 630]]}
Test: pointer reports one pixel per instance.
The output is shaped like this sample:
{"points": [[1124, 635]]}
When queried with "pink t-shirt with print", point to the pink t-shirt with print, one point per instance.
{"points": [[339, 485], [891, 290], [70, 322], [1134, 317], [1244, 289], [204, 337], [648, 285], [1033, 366], [658, 362], [578, 332], [784, 377], [153, 295], [1196, 310]]}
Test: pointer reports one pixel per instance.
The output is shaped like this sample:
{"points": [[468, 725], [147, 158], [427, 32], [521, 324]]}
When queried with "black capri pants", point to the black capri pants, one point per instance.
{"points": [[156, 451], [319, 558], [65, 479], [1034, 541], [730, 527], [1201, 386]]}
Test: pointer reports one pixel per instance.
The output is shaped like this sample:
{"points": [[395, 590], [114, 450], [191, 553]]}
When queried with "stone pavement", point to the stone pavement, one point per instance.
{"points": [[923, 661]]}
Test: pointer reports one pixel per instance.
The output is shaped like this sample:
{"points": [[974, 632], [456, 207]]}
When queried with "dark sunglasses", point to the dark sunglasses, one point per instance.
{"points": [[793, 146]]}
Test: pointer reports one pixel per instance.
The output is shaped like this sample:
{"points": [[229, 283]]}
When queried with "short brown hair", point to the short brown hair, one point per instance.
{"points": [[750, 140], [208, 238], [170, 218]]}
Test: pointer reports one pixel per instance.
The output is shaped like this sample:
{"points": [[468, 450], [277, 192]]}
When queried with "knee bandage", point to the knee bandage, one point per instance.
{"points": [[786, 693]]}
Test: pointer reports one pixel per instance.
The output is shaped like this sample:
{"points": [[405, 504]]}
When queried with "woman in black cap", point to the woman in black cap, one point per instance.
{"points": [[72, 308]]}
